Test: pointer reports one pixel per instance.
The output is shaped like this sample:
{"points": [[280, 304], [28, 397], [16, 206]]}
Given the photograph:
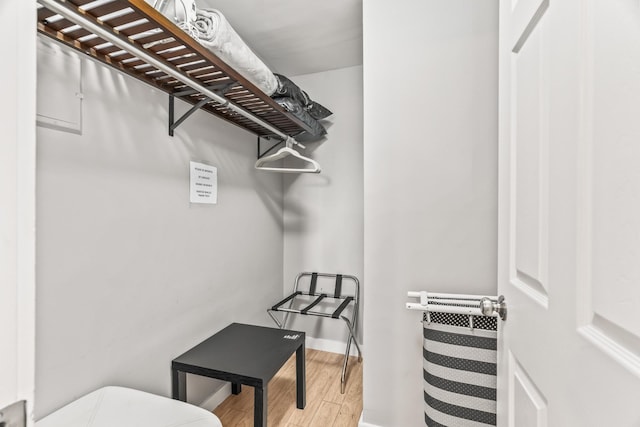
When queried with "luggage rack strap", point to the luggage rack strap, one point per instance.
{"points": [[314, 281], [313, 304], [287, 299], [340, 309], [338, 290]]}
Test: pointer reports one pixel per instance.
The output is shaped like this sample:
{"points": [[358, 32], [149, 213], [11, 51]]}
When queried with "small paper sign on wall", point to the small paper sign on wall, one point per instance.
{"points": [[204, 183]]}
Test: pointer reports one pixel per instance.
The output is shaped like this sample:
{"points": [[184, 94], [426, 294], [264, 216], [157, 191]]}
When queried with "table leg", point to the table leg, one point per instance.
{"points": [[301, 399], [260, 406], [236, 388], [178, 385]]}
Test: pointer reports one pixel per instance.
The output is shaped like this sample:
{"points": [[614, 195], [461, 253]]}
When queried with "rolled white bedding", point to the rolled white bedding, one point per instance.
{"points": [[215, 33]]}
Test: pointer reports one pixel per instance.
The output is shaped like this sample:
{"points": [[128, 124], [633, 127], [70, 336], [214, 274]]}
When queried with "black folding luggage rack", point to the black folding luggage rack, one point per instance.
{"points": [[339, 298]]}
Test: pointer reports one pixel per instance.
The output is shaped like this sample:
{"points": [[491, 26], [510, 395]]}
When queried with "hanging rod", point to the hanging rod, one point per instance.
{"points": [[73, 16], [472, 305]]}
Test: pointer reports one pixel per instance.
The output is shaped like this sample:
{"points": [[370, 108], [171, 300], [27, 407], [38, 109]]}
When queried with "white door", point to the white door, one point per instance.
{"points": [[569, 244], [17, 204]]}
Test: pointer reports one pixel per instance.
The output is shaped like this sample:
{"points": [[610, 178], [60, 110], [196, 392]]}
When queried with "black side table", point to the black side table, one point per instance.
{"points": [[243, 354]]}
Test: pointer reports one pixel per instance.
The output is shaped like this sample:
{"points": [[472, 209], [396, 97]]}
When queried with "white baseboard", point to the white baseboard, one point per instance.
{"points": [[212, 402], [363, 424], [331, 346]]}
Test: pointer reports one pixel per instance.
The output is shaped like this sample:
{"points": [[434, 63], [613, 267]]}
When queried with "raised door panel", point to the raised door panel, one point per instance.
{"points": [[528, 403], [609, 237], [529, 152]]}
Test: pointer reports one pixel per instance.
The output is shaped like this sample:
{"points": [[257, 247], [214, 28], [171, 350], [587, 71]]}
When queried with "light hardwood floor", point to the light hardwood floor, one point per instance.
{"points": [[326, 407]]}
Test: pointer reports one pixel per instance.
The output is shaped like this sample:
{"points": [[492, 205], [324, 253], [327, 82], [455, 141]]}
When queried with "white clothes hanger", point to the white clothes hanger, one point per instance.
{"points": [[287, 151]]}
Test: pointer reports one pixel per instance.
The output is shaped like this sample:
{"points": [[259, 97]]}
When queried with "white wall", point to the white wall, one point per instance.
{"points": [[430, 180], [130, 275], [323, 214]]}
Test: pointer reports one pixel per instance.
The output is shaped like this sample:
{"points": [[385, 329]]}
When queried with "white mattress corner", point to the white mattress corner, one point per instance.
{"points": [[125, 407]]}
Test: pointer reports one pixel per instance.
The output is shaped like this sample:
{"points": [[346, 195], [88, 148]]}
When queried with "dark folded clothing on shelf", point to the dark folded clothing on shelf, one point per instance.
{"points": [[295, 108], [318, 111], [288, 89]]}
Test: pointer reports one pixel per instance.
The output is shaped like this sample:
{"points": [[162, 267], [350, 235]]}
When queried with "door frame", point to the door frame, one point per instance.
{"points": [[17, 202]]}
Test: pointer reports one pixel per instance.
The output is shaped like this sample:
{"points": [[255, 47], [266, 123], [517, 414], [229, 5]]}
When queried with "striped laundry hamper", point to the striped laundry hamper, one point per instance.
{"points": [[460, 366]]}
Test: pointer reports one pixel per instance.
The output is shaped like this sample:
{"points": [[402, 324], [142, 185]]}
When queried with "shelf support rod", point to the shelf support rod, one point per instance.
{"points": [[174, 124], [171, 113], [74, 16], [260, 154]]}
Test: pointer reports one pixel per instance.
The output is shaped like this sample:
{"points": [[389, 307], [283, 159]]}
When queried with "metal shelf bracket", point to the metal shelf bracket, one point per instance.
{"points": [[173, 123], [270, 149]]}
